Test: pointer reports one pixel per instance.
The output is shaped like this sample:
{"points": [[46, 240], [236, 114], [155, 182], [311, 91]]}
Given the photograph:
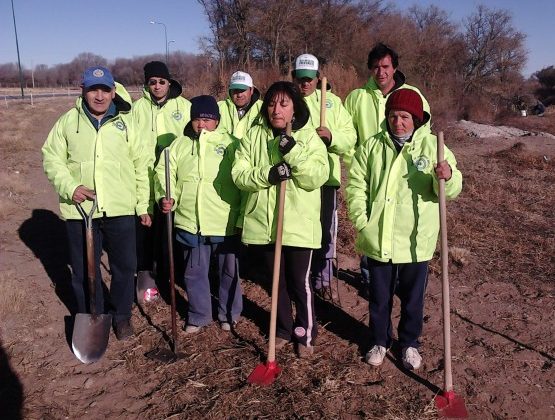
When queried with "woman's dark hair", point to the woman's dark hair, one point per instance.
{"points": [[300, 109], [380, 51]]}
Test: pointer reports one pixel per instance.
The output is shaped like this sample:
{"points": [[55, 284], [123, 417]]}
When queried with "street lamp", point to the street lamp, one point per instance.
{"points": [[152, 22], [18, 59], [168, 45]]}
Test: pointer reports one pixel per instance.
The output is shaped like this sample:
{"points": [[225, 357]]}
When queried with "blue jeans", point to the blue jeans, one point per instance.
{"points": [[197, 282], [408, 282], [117, 236]]}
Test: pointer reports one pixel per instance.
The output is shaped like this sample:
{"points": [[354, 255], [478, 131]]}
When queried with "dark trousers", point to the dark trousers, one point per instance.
{"points": [[294, 287], [408, 282], [146, 244], [322, 263], [117, 236], [197, 283]]}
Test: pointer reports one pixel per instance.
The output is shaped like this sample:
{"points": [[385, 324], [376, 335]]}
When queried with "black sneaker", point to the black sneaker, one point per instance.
{"points": [[123, 329]]}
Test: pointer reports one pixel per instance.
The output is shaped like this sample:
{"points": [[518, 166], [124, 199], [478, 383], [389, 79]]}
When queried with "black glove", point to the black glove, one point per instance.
{"points": [[286, 143], [279, 172], [326, 141]]}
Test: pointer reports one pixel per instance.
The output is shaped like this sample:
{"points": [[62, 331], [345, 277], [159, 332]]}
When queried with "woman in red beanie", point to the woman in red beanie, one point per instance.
{"points": [[392, 201]]}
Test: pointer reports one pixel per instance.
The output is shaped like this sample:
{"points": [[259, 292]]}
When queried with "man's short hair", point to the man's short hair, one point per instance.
{"points": [[380, 51]]}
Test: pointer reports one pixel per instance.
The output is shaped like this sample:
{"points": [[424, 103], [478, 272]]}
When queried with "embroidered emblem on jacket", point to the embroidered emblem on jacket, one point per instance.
{"points": [[421, 163]]}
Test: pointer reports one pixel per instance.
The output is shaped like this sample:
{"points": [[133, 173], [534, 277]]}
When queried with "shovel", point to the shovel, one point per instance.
{"points": [[266, 373], [91, 331], [448, 403], [166, 355]]}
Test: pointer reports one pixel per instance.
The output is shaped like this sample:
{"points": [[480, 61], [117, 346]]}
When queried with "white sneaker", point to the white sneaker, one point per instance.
{"points": [[226, 326], [376, 355], [192, 329], [411, 358]]}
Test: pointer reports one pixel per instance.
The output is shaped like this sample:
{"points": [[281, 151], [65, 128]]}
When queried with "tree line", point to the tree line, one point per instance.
{"points": [[467, 69]]}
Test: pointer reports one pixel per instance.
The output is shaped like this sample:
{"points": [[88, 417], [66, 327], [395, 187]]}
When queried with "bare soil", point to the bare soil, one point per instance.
{"points": [[502, 240]]}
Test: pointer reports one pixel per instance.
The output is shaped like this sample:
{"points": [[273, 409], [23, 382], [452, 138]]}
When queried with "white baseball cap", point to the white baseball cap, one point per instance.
{"points": [[240, 80], [306, 65]]}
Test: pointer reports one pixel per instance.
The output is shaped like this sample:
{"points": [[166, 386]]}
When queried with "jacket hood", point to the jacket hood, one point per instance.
{"points": [[398, 77], [426, 119], [122, 99], [175, 91], [301, 117], [255, 97], [189, 132]]}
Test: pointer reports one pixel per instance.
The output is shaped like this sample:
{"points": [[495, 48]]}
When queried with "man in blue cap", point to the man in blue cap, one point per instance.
{"points": [[93, 153]]}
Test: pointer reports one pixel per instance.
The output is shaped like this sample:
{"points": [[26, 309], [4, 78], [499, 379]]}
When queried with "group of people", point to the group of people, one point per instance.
{"points": [[226, 161]]}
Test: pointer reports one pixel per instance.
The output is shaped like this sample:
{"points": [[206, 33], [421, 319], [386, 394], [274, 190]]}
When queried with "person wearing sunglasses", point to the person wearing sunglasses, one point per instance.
{"points": [[161, 115]]}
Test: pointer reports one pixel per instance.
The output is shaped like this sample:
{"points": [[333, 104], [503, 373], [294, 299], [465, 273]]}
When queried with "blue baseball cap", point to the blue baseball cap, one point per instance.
{"points": [[97, 75]]}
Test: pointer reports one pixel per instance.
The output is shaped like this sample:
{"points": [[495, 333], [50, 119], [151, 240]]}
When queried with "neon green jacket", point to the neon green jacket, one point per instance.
{"points": [[160, 125], [392, 197], [367, 108], [230, 119], [340, 124], [112, 161], [206, 199], [308, 159]]}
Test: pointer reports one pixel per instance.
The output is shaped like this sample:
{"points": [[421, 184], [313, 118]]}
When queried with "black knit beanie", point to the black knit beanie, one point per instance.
{"points": [[204, 106], [156, 69]]}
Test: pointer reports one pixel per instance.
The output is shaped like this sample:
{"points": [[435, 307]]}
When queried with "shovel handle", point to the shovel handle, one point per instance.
{"points": [[169, 225], [277, 266], [91, 264], [323, 91], [448, 374]]}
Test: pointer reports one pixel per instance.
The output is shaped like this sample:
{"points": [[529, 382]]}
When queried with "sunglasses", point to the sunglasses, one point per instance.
{"points": [[153, 82]]}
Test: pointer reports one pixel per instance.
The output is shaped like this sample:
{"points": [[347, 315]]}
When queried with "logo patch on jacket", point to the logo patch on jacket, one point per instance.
{"points": [[421, 163], [220, 149], [120, 125], [177, 115], [329, 103]]}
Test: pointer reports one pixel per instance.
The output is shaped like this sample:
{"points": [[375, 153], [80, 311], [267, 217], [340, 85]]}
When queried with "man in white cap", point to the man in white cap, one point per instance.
{"points": [[93, 153], [241, 107], [339, 136]]}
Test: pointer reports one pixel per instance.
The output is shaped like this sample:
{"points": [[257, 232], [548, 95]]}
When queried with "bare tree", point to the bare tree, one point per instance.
{"points": [[495, 50]]}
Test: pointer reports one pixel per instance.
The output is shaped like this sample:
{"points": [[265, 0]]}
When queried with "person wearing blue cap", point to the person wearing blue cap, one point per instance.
{"points": [[92, 153], [207, 204]]}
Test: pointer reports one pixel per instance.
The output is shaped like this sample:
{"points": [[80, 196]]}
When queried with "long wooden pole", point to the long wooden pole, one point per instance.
{"points": [[323, 91], [169, 230], [448, 374], [277, 266]]}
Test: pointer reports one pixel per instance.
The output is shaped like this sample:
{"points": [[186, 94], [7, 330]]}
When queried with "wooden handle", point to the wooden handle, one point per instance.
{"points": [[169, 230], [277, 265], [323, 90], [448, 374]]}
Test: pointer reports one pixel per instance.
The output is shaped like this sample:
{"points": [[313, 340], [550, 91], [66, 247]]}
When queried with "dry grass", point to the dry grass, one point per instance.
{"points": [[12, 296]]}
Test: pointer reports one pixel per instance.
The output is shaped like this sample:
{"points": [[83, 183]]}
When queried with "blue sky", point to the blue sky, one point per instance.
{"points": [[55, 31]]}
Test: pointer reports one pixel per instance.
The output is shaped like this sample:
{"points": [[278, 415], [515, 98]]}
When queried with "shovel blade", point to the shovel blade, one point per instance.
{"points": [[451, 406], [264, 374], [90, 336], [145, 281]]}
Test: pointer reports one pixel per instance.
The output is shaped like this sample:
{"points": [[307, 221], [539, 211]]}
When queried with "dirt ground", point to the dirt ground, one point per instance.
{"points": [[502, 241]]}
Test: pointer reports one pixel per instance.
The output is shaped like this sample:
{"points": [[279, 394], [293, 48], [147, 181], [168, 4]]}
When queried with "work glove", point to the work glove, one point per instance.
{"points": [[279, 172], [286, 143]]}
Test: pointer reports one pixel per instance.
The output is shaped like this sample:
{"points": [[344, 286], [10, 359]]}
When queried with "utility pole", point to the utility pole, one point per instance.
{"points": [[18, 59], [152, 22]]}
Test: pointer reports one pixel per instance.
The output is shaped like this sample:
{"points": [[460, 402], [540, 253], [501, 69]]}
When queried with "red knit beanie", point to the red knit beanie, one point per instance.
{"points": [[406, 100]]}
